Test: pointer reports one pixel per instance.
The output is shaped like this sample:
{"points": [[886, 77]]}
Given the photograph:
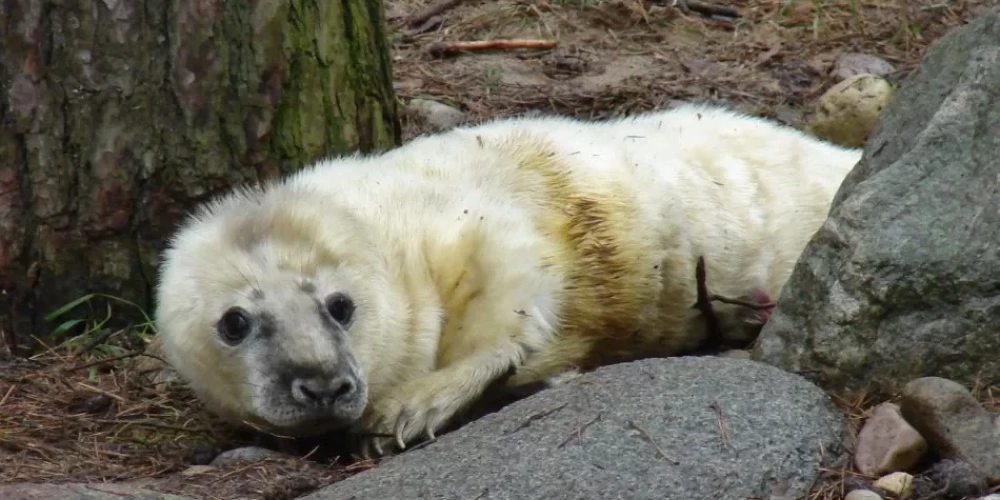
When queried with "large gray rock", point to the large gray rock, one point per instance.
{"points": [[76, 491], [903, 279], [642, 430]]}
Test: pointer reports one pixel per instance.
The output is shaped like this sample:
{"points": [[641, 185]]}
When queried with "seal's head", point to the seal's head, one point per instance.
{"points": [[272, 305]]}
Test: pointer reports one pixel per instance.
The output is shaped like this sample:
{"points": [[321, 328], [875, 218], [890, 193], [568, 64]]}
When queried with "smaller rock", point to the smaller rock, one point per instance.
{"points": [[954, 424], [195, 470], [735, 354], [847, 113], [863, 495], [853, 63], [409, 84], [852, 482], [995, 496], [953, 479], [899, 484], [204, 453], [438, 116], [244, 454], [92, 404], [887, 443]]}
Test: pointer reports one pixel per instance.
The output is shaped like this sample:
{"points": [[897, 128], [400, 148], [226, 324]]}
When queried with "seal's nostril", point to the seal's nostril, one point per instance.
{"points": [[306, 390], [346, 387], [307, 393]]}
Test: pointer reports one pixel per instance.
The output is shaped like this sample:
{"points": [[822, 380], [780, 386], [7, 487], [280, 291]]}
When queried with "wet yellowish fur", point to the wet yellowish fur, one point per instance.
{"points": [[546, 245]]}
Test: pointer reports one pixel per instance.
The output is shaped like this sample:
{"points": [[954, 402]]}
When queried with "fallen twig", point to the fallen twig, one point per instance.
{"points": [[704, 304], [432, 10], [652, 442], [578, 433], [102, 337], [104, 361], [155, 425], [721, 422], [7, 394], [441, 49], [423, 444], [537, 416]]}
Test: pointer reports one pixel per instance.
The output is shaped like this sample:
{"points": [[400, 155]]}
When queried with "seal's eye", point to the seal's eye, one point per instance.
{"points": [[234, 326], [341, 307]]}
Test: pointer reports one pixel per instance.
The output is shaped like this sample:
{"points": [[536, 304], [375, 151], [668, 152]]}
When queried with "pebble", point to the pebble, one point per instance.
{"points": [[244, 454], [952, 478], [899, 484], [194, 470], [887, 443], [954, 424], [735, 354], [863, 495], [855, 63], [438, 116], [204, 453], [93, 404], [848, 112]]}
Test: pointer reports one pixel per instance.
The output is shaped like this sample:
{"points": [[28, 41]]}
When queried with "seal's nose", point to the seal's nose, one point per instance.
{"points": [[322, 391]]}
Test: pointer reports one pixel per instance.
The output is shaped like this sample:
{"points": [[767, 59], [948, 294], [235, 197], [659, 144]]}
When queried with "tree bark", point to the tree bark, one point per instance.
{"points": [[117, 116]]}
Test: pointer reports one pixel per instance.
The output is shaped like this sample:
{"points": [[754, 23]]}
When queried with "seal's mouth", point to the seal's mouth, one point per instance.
{"points": [[308, 427], [300, 425]]}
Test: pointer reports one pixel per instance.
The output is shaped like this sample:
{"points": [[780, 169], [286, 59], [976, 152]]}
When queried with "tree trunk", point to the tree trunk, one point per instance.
{"points": [[117, 116]]}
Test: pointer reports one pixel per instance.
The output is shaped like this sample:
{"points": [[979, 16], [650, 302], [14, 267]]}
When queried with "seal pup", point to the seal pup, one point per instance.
{"points": [[384, 293]]}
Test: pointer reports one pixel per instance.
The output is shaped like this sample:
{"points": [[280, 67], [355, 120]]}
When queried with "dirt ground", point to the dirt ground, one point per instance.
{"points": [[618, 56], [78, 413]]}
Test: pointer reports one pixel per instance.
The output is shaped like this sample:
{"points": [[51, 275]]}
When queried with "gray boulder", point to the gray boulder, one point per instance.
{"points": [[681, 428], [903, 279], [78, 491]]}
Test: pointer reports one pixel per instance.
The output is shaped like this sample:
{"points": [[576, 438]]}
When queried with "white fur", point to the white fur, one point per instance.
{"points": [[453, 209], [658, 154]]}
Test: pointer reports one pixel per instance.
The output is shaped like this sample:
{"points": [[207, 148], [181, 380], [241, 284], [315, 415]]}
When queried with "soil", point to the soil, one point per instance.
{"points": [[80, 413], [618, 56]]}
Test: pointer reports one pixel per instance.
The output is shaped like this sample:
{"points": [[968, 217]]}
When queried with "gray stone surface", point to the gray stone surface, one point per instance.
{"points": [[853, 63], [75, 491], [578, 441], [440, 117], [244, 454], [862, 495], [950, 478], [954, 423], [903, 279], [888, 443]]}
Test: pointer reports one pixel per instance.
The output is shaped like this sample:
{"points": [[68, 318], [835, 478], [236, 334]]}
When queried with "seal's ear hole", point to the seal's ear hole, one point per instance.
{"points": [[340, 307], [234, 326]]}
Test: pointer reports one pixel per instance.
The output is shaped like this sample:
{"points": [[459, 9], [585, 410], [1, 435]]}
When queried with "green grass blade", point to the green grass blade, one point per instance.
{"points": [[65, 326], [62, 310]]}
